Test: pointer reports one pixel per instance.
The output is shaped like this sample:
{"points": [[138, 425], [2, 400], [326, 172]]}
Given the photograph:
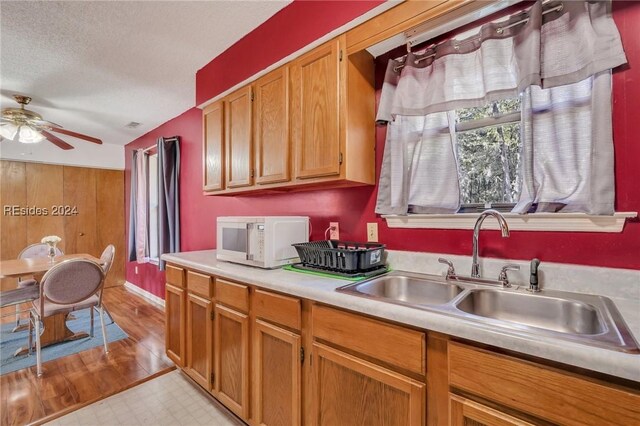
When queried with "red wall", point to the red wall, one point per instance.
{"points": [[289, 30], [354, 207]]}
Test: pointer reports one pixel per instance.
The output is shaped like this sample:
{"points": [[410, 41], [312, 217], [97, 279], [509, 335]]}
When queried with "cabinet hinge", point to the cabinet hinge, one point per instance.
{"points": [[213, 315], [301, 355], [213, 376], [340, 159], [340, 55], [251, 95], [253, 172]]}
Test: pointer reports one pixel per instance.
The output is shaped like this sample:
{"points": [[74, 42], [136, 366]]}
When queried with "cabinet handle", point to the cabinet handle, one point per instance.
{"points": [[81, 234]]}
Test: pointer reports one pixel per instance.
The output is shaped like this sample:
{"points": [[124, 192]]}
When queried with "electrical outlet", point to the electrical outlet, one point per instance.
{"points": [[334, 231], [136, 270], [372, 232]]}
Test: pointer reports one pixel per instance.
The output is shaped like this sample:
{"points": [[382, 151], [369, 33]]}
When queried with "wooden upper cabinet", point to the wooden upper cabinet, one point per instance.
{"points": [[238, 146], [315, 112], [271, 127], [213, 147], [308, 123]]}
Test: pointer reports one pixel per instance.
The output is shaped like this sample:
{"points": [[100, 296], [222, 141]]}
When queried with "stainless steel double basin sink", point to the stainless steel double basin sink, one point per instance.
{"points": [[587, 319]]}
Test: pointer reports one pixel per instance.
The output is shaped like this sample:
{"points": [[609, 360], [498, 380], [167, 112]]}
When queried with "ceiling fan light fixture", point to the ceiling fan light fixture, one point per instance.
{"points": [[29, 134], [8, 131]]}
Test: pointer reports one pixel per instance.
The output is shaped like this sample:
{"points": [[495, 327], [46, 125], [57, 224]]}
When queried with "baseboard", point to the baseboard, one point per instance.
{"points": [[144, 293]]}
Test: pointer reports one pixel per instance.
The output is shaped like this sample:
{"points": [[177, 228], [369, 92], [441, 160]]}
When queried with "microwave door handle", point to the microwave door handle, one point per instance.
{"points": [[249, 255]]}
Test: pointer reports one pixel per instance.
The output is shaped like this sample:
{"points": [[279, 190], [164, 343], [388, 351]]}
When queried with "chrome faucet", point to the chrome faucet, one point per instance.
{"points": [[475, 266]]}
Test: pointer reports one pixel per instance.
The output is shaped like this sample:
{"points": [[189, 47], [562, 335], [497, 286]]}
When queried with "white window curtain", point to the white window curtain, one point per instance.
{"points": [[538, 53], [138, 246], [567, 148], [420, 149]]}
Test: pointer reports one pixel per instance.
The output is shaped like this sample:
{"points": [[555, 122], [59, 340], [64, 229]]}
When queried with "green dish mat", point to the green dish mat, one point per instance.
{"points": [[327, 274]]}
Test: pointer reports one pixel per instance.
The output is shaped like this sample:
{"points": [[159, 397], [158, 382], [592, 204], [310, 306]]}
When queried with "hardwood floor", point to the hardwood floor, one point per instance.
{"points": [[77, 380]]}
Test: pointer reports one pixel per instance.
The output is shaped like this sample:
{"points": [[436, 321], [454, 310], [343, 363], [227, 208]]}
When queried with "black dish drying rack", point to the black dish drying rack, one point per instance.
{"points": [[341, 256]]}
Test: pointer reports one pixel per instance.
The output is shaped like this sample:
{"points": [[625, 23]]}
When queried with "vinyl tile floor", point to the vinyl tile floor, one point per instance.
{"points": [[171, 399]]}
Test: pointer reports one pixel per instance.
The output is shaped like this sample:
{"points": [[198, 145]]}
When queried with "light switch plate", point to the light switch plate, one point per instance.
{"points": [[334, 231], [372, 232]]}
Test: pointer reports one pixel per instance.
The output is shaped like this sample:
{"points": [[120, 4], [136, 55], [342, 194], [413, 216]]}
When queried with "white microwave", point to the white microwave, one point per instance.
{"points": [[262, 241]]}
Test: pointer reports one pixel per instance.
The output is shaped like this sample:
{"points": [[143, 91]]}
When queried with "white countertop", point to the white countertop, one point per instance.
{"points": [[322, 289]]}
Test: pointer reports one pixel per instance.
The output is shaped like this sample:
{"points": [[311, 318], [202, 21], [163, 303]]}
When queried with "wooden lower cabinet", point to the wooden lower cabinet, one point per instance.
{"points": [[277, 375], [199, 336], [231, 359], [464, 412], [359, 370], [352, 391], [547, 393], [175, 323]]}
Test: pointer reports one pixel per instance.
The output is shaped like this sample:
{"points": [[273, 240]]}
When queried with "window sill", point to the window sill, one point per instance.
{"points": [[555, 222]]}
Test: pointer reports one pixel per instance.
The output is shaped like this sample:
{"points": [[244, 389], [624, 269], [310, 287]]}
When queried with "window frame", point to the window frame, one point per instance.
{"points": [[481, 123]]}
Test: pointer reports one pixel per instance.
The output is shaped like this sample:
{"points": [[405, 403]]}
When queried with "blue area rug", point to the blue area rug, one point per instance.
{"points": [[10, 342]]}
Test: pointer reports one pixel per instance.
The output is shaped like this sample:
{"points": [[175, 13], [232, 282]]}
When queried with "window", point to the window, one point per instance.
{"points": [[506, 116], [153, 206], [488, 150]]}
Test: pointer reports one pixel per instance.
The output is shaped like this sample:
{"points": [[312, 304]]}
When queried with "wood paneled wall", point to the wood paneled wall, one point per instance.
{"points": [[96, 194]]}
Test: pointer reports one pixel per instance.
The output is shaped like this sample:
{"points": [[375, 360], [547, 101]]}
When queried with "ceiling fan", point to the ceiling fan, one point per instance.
{"points": [[22, 125]]}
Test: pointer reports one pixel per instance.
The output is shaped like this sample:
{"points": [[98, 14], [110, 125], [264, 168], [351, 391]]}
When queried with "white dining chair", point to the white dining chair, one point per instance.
{"points": [[37, 250], [106, 261], [71, 285]]}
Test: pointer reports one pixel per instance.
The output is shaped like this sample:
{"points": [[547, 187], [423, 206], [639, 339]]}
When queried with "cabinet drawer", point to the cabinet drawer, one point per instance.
{"points": [[175, 276], [283, 310], [389, 343], [548, 393], [200, 284], [233, 295]]}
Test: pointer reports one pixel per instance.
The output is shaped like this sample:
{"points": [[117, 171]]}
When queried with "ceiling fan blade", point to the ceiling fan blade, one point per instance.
{"points": [[75, 135], [56, 140]]}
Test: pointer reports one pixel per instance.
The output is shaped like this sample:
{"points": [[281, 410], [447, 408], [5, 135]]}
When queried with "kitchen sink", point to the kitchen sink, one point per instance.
{"points": [[534, 310], [582, 318], [406, 289]]}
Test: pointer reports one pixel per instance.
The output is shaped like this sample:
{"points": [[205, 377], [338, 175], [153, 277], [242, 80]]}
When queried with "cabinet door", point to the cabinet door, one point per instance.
{"points": [[276, 372], [464, 412], [199, 335], [271, 127], [349, 390], [175, 322], [232, 360], [111, 224], [213, 146], [238, 146], [80, 193], [315, 112]]}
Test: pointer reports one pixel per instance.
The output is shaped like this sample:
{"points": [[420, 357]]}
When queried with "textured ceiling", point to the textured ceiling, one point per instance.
{"points": [[93, 67]]}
